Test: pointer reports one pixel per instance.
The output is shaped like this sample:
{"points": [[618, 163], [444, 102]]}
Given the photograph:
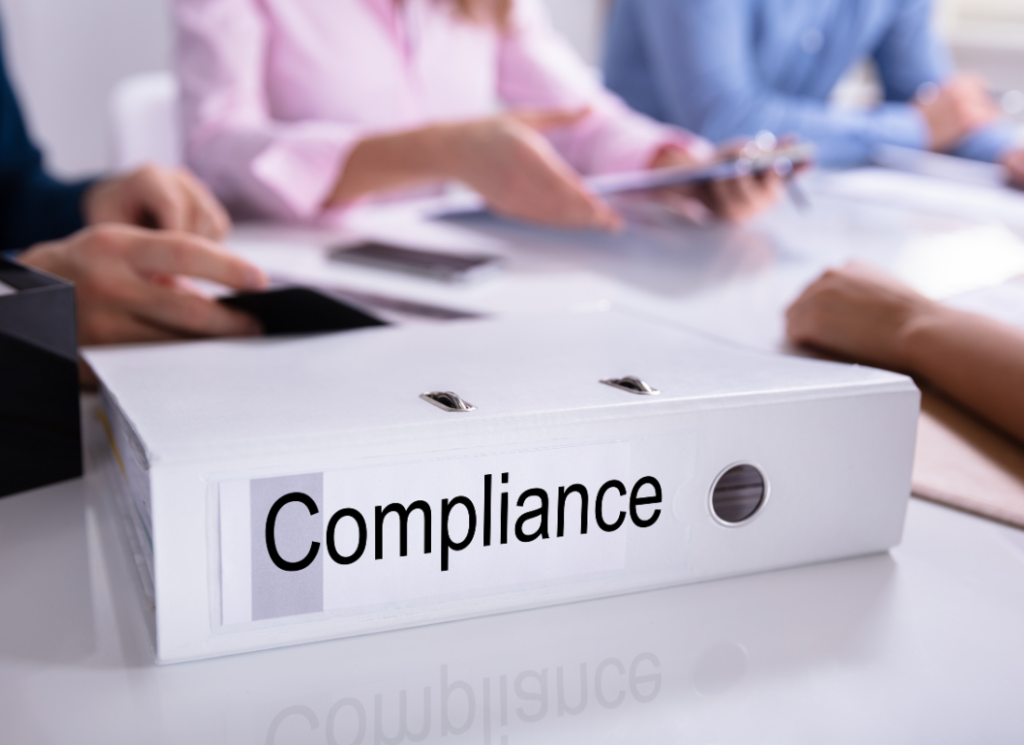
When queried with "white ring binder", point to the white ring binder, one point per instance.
{"points": [[386, 515]]}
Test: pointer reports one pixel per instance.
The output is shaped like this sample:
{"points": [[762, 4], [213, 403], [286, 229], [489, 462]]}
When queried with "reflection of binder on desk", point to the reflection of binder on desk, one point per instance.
{"points": [[304, 489]]}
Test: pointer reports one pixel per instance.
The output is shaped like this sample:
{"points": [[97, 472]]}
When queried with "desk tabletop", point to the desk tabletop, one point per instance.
{"points": [[922, 644]]}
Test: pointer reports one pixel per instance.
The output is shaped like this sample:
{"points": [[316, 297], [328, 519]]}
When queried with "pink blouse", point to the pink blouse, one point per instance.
{"points": [[276, 93]]}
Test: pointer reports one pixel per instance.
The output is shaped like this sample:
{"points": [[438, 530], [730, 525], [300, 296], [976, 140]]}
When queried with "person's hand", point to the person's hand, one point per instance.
{"points": [[955, 109], [130, 286], [1014, 164], [734, 200], [154, 197], [515, 169], [860, 313]]}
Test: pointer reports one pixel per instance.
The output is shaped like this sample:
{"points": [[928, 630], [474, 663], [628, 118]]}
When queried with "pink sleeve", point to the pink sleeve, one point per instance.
{"points": [[256, 165], [538, 69]]}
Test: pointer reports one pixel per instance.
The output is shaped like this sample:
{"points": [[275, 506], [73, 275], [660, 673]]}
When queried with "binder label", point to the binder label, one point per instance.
{"points": [[458, 528]]}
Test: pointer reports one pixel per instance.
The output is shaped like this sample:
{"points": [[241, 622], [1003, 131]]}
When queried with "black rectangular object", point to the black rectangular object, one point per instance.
{"points": [[40, 421], [439, 265], [299, 310]]}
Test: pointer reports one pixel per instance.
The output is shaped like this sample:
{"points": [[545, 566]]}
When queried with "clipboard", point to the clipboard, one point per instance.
{"points": [[783, 160]]}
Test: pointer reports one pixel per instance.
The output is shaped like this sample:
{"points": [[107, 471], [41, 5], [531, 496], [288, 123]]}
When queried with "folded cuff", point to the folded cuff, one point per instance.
{"points": [[991, 143], [303, 165]]}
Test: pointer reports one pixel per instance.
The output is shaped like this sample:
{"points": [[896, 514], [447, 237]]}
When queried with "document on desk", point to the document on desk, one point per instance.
{"points": [[961, 460], [298, 489], [945, 265], [972, 201], [965, 463]]}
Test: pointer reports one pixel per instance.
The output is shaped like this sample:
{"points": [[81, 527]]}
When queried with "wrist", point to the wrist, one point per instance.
{"points": [[433, 151], [923, 324]]}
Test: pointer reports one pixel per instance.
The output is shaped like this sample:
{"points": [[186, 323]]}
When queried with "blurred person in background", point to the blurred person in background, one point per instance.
{"points": [[126, 242], [295, 109], [863, 315], [727, 69]]}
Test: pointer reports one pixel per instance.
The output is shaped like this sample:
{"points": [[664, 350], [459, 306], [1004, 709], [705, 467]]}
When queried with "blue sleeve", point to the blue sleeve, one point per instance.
{"points": [[699, 58], [33, 206], [911, 54]]}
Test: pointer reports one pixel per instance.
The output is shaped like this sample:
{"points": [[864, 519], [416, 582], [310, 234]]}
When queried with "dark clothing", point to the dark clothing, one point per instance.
{"points": [[33, 206]]}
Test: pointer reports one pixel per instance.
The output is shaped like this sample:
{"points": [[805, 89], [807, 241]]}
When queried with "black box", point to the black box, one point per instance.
{"points": [[40, 434]]}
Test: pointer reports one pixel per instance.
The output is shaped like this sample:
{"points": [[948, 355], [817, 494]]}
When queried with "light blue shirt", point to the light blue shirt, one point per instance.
{"points": [[730, 68]]}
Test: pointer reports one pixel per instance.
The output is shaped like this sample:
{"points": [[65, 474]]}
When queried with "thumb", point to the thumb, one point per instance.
{"points": [[542, 119]]}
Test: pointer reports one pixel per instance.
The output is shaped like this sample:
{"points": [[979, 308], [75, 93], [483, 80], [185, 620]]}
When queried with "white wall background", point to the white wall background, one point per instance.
{"points": [[66, 55]]}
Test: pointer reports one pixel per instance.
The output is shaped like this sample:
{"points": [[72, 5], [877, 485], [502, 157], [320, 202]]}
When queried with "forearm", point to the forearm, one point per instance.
{"points": [[976, 360], [391, 161]]}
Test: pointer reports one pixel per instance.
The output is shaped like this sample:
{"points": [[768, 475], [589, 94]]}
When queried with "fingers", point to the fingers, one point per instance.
{"points": [[690, 209], [798, 328], [740, 198], [549, 119], [571, 203], [541, 187], [113, 326], [158, 195], [183, 254], [209, 218], [572, 206], [179, 201], [183, 312], [155, 197]]}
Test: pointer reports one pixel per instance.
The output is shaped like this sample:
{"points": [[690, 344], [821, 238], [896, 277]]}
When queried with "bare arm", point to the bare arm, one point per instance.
{"points": [[504, 158], [1014, 163], [865, 315], [976, 360]]}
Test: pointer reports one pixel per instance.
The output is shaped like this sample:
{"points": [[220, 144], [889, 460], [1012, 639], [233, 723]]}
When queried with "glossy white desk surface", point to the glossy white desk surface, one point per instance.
{"points": [[923, 645]]}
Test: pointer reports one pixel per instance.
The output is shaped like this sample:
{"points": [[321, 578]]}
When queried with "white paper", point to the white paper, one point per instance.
{"points": [[1003, 302], [928, 194], [940, 165], [948, 264], [6, 289]]}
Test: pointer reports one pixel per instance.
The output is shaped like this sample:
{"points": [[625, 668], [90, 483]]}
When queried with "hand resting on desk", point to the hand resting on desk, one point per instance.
{"points": [[128, 279], [130, 287], [955, 109], [861, 314], [154, 197]]}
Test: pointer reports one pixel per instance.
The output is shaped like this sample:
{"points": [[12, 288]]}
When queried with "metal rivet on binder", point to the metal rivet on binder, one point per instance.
{"points": [[632, 384], [447, 401], [738, 493]]}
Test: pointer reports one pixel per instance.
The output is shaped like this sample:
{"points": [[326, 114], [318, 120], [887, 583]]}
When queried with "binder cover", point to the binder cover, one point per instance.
{"points": [[40, 441], [280, 491]]}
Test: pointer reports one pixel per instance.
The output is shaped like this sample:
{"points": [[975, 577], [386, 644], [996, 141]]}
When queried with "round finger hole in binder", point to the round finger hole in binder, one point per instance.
{"points": [[738, 494]]}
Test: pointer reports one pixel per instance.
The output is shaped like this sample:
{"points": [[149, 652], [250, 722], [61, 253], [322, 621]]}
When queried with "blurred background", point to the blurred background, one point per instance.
{"points": [[66, 56]]}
